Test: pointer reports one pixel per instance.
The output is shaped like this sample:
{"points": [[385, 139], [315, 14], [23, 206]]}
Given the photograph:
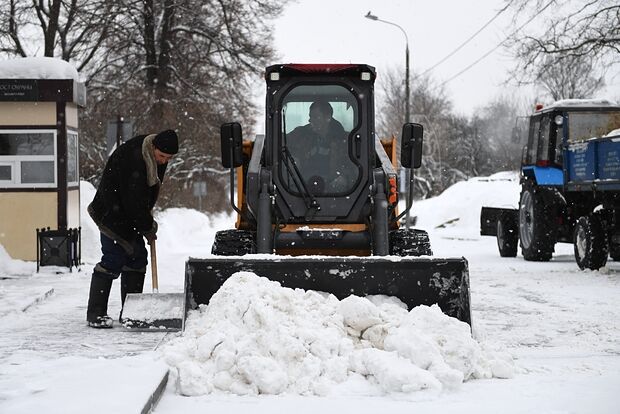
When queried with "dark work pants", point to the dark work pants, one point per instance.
{"points": [[116, 260]]}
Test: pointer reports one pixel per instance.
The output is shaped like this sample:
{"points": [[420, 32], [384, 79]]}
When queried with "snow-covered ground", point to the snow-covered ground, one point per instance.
{"points": [[547, 333]]}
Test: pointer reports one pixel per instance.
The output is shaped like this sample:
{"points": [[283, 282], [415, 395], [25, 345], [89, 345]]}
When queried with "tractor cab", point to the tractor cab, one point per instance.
{"points": [[558, 130], [544, 145]]}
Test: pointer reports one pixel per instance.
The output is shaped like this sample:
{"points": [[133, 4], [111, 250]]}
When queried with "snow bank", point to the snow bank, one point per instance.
{"points": [[10, 267], [498, 190], [256, 337], [177, 226], [91, 242], [37, 68]]}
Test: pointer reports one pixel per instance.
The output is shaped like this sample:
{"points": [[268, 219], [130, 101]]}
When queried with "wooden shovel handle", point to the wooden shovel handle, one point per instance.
{"points": [[154, 267]]}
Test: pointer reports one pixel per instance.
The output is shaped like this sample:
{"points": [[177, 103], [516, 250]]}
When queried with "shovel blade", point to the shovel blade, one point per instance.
{"points": [[153, 311]]}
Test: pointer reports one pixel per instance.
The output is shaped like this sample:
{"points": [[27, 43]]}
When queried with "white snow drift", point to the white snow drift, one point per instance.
{"points": [[256, 337]]}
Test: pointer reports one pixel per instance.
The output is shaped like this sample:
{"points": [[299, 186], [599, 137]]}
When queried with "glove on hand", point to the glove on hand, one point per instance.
{"points": [[152, 233]]}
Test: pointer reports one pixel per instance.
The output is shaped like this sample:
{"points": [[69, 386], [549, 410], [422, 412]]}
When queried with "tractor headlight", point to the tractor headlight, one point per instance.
{"points": [[559, 120]]}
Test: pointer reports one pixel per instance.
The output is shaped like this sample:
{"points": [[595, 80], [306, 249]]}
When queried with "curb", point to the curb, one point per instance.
{"points": [[155, 396], [40, 298]]}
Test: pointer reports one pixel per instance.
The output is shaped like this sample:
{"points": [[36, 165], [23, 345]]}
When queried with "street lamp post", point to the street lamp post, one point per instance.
{"points": [[371, 16]]}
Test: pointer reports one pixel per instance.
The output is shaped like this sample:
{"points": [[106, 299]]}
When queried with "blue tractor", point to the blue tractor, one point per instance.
{"points": [[570, 186]]}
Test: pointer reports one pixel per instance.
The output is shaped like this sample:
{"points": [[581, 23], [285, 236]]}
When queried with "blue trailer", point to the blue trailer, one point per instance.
{"points": [[570, 186]]}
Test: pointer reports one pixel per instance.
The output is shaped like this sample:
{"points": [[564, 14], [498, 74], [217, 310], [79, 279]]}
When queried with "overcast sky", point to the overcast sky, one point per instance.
{"points": [[327, 31]]}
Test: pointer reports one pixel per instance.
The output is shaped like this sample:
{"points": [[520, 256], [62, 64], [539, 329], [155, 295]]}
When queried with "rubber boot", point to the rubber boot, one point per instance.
{"points": [[131, 282], [97, 311]]}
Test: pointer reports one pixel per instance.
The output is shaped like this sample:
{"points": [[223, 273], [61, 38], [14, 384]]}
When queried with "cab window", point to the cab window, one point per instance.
{"points": [[532, 142], [316, 125]]}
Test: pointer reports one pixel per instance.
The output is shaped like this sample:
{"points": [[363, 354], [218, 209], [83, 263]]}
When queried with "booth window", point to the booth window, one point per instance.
{"points": [[72, 158], [27, 158]]}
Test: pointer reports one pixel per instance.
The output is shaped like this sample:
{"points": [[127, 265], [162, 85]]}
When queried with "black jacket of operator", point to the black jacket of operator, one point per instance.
{"points": [[128, 191]]}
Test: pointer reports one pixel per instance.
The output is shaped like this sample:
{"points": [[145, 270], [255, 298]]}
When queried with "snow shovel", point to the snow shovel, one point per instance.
{"points": [[153, 311]]}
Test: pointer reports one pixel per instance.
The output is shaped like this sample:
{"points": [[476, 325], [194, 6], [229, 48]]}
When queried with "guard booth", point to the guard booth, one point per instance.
{"points": [[39, 151]]}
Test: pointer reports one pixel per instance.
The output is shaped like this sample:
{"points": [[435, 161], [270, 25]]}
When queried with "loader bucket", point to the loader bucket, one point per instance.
{"points": [[415, 281]]}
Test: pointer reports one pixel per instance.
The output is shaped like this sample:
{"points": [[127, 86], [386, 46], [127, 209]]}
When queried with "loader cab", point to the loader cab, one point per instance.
{"points": [[319, 140]]}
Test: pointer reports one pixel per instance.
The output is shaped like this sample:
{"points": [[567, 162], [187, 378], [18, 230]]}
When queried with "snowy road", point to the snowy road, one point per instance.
{"points": [[543, 306], [559, 324]]}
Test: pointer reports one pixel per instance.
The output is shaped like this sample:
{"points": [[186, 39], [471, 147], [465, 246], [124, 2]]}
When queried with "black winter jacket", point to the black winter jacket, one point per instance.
{"points": [[124, 199]]}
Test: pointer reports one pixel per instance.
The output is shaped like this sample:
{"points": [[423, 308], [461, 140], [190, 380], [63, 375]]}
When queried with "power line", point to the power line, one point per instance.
{"points": [[469, 39], [496, 47]]}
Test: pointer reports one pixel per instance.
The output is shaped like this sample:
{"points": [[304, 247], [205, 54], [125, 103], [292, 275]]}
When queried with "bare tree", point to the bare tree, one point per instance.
{"points": [[455, 147], [443, 131], [188, 65], [502, 127], [72, 30], [573, 78], [575, 36], [426, 99]]}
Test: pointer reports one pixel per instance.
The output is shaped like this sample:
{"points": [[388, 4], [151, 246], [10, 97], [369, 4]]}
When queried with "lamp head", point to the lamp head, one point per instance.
{"points": [[371, 16]]}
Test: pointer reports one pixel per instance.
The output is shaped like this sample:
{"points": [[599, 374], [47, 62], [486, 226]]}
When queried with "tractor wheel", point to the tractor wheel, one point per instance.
{"points": [[507, 236], [410, 242], [535, 226], [590, 244], [234, 243]]}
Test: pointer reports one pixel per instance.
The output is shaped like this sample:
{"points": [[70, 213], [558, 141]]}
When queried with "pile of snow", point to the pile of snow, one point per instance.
{"points": [[90, 237], [498, 190], [37, 68], [256, 337], [177, 226], [10, 267]]}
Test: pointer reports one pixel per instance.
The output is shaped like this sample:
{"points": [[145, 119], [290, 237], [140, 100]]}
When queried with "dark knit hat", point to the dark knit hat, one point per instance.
{"points": [[167, 141]]}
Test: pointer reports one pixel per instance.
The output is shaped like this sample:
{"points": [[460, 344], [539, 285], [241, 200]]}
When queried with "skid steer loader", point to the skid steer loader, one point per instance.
{"points": [[318, 209]]}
